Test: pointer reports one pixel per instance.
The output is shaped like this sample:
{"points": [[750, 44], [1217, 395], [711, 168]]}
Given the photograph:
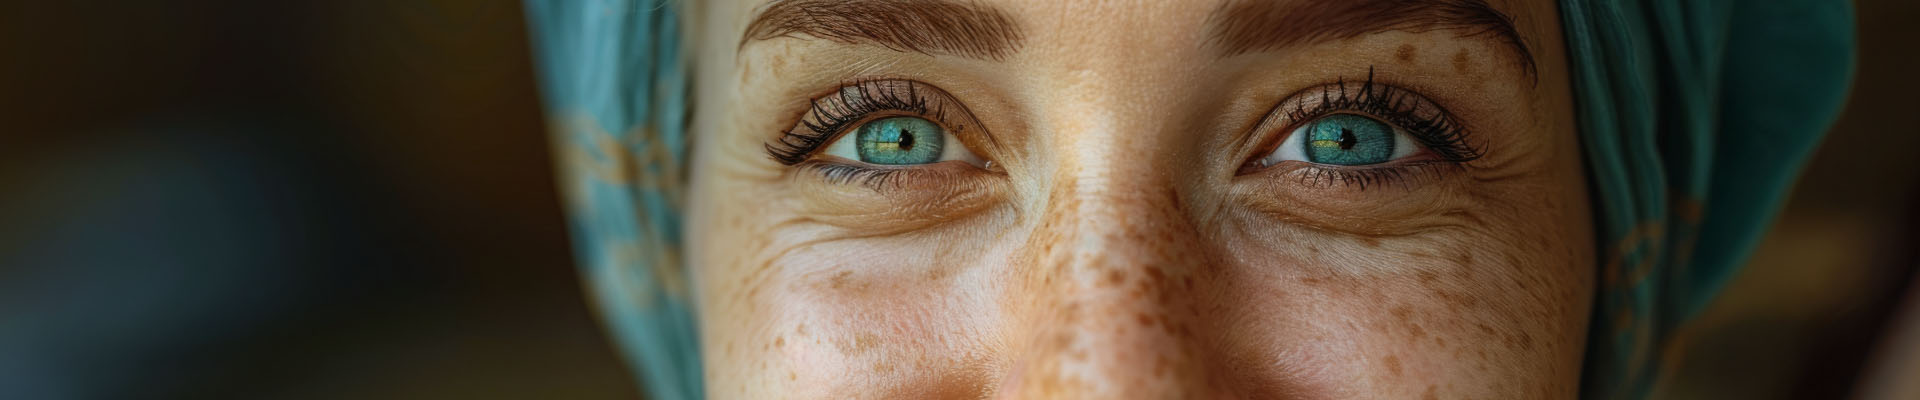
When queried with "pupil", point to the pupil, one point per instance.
{"points": [[906, 140], [1346, 139]]}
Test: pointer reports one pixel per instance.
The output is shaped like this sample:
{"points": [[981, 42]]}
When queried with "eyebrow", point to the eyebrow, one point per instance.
{"points": [[930, 27], [1246, 26]]}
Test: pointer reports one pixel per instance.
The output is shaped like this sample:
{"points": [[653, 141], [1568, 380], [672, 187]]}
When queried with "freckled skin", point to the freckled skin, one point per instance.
{"points": [[1114, 252]]}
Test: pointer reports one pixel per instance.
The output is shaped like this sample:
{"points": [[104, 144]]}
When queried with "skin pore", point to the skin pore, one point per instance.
{"points": [[1114, 234]]}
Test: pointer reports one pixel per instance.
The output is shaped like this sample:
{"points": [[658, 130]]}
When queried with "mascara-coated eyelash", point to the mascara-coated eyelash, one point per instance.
{"points": [[1328, 111], [858, 102]]}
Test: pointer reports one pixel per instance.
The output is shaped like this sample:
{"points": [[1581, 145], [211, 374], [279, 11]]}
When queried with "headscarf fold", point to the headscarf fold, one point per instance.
{"points": [[616, 99], [1694, 116]]}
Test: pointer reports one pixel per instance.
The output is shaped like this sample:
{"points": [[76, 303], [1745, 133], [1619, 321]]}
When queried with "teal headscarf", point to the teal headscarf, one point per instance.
{"points": [[616, 98], [1695, 117]]}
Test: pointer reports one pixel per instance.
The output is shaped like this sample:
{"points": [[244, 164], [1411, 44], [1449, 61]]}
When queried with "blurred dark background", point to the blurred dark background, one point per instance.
{"points": [[353, 199], [283, 199]]}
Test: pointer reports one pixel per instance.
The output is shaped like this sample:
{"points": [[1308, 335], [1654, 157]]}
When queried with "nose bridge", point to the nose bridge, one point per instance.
{"points": [[1107, 293]]}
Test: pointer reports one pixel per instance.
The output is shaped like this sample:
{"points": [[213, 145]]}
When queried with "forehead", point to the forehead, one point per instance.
{"points": [[1126, 30], [1118, 15]]}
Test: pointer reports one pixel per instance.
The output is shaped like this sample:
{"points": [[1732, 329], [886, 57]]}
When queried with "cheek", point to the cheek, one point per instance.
{"points": [[807, 311], [1467, 312]]}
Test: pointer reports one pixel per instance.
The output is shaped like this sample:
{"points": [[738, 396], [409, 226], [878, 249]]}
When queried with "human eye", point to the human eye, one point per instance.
{"points": [[900, 140], [1361, 133], [1343, 139], [867, 130]]}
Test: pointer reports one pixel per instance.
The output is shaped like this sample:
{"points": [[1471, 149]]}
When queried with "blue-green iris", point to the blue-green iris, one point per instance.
{"points": [[900, 141], [1347, 139]]}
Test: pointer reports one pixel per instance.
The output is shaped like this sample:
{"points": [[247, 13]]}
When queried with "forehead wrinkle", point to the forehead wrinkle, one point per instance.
{"points": [[927, 26], [1247, 26]]}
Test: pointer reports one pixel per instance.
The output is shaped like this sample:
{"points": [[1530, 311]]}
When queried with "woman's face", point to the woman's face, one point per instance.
{"points": [[1136, 199]]}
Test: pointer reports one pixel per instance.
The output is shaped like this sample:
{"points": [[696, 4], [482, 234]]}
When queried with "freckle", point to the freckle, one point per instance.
{"points": [[791, 376], [1403, 313], [1393, 365], [779, 341], [1459, 302], [1115, 277], [1416, 331], [1405, 54], [861, 344], [1311, 281], [1154, 274], [1462, 62], [1370, 242], [839, 280], [1430, 393], [1485, 329], [1427, 277], [1145, 320]]}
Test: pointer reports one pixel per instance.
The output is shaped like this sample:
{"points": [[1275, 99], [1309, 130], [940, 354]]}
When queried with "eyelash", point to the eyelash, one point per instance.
{"points": [[834, 113], [840, 174], [1437, 131], [1365, 177]]}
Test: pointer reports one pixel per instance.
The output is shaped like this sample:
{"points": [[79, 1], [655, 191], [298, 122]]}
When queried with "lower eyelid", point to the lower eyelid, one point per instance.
{"points": [[841, 172], [923, 177], [1404, 175], [886, 200]]}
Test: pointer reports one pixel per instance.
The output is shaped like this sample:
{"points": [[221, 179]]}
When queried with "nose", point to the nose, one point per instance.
{"points": [[1106, 296]]}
